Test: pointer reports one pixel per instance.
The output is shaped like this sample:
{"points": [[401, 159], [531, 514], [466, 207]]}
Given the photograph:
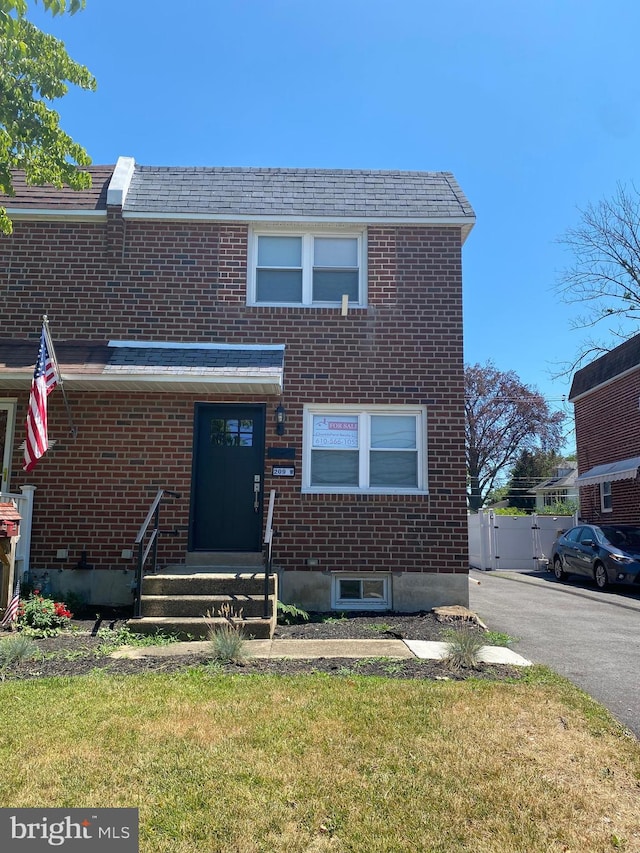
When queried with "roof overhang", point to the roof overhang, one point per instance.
{"points": [[159, 367], [624, 469]]}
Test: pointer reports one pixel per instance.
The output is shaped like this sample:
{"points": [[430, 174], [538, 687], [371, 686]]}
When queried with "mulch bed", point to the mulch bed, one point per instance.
{"points": [[78, 652]]}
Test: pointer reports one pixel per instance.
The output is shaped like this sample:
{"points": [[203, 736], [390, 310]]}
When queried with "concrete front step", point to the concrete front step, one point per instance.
{"points": [[200, 605], [240, 559], [172, 582], [191, 628]]}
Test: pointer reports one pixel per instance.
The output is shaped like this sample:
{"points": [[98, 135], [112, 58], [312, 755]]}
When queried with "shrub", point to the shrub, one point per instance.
{"points": [[463, 646], [16, 649], [227, 638], [43, 616], [289, 614]]}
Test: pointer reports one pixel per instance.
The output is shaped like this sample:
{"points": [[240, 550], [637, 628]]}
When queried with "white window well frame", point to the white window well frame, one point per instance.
{"points": [[308, 236], [364, 413], [606, 497], [338, 603]]}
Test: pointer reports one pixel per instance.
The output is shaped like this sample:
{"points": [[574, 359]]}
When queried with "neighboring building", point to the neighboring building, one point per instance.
{"points": [[561, 488], [606, 398], [227, 332]]}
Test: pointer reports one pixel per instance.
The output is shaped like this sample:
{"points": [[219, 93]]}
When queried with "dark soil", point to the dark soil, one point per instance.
{"points": [[83, 650]]}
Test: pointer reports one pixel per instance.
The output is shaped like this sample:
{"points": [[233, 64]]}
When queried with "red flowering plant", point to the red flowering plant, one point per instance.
{"points": [[42, 616]]}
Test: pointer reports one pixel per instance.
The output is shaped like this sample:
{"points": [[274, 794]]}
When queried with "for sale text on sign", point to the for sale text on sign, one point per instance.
{"points": [[334, 431]]}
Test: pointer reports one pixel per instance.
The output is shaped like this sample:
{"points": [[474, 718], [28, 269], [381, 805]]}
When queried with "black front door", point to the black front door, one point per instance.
{"points": [[226, 482]]}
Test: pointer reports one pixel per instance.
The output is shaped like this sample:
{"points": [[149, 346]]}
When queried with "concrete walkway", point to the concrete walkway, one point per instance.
{"points": [[313, 649]]}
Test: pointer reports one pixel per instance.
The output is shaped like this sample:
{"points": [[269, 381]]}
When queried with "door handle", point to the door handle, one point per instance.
{"points": [[256, 492]]}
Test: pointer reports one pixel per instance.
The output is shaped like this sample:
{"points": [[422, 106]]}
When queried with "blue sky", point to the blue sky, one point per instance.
{"points": [[534, 105]]}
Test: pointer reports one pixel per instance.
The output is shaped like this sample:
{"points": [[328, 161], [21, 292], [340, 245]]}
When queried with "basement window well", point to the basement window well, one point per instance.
{"points": [[354, 592]]}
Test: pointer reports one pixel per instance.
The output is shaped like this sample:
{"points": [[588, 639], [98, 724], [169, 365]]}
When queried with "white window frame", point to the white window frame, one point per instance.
{"points": [[308, 236], [364, 413], [338, 603], [606, 499]]}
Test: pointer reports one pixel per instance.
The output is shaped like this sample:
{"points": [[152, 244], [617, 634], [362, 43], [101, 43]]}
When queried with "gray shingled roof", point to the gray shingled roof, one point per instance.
{"points": [[88, 364], [47, 197], [319, 193], [607, 367]]}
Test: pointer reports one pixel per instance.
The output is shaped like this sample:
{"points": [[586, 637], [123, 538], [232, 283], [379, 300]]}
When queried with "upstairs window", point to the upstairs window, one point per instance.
{"points": [[306, 269]]}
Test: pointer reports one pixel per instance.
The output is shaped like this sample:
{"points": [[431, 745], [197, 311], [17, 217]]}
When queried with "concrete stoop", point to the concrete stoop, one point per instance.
{"points": [[187, 601]]}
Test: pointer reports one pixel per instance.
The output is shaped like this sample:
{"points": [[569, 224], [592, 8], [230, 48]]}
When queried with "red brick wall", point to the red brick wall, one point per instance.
{"points": [[187, 282], [608, 429]]}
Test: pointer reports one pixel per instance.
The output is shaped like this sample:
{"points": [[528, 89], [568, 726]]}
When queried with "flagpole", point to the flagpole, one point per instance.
{"points": [[73, 429]]}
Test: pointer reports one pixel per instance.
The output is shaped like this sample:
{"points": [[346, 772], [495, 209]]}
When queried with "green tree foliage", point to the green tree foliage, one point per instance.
{"points": [[531, 468], [503, 417], [35, 69]]}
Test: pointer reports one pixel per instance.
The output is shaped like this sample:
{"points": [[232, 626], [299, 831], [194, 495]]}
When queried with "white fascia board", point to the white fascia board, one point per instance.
{"points": [[613, 379], [25, 214], [469, 221], [120, 181], [170, 345]]}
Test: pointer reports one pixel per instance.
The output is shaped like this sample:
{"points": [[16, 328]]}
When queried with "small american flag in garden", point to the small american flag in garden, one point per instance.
{"points": [[44, 381], [12, 610]]}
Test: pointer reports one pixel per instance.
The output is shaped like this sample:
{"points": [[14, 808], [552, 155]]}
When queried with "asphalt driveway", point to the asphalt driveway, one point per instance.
{"points": [[591, 637]]}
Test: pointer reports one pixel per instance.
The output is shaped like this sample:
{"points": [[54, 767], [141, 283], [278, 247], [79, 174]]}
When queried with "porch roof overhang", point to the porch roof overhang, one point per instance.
{"points": [[624, 469], [161, 367]]}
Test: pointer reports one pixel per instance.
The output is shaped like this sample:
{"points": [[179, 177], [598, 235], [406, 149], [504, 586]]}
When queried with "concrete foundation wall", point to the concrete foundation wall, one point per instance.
{"points": [[410, 591], [100, 588]]}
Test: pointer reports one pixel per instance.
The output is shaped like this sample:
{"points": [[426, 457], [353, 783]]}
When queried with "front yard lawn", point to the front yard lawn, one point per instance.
{"points": [[324, 763]]}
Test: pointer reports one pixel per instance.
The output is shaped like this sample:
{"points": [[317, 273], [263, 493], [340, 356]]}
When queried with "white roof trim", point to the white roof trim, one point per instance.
{"points": [[280, 217], [624, 469], [120, 181]]}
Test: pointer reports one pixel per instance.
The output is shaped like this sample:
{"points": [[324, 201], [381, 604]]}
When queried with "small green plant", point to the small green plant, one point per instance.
{"points": [[289, 614], [331, 620], [463, 646], [497, 638], [381, 628], [39, 616], [228, 642], [15, 650]]}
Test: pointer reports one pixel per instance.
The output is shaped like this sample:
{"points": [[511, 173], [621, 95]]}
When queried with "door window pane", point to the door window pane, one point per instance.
{"points": [[230, 432]]}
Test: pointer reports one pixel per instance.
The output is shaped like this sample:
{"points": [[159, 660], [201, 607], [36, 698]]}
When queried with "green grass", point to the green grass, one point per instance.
{"points": [[498, 638], [316, 763]]}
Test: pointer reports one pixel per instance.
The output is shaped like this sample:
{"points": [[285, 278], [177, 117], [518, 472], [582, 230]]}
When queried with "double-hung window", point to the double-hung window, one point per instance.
{"points": [[606, 504], [307, 268], [374, 449]]}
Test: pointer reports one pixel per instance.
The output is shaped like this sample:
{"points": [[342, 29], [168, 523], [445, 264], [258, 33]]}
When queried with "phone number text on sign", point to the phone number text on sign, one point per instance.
{"points": [[333, 432]]}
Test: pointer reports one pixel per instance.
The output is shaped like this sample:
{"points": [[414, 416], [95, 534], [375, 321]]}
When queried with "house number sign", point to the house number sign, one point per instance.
{"points": [[283, 470]]}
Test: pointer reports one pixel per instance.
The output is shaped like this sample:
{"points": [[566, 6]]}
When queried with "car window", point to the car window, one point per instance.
{"points": [[623, 537], [573, 534], [588, 533]]}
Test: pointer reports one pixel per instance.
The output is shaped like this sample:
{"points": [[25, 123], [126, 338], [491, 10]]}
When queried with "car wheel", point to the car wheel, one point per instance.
{"points": [[600, 576], [558, 571]]}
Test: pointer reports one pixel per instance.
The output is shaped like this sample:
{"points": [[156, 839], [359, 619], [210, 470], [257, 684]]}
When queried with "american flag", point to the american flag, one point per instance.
{"points": [[12, 610], [44, 381]]}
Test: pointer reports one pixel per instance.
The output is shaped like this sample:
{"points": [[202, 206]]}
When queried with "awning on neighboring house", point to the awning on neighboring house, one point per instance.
{"points": [[198, 368], [624, 469]]}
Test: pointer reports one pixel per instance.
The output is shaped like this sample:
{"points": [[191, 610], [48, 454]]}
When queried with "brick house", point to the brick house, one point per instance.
{"points": [[229, 332], [606, 399]]}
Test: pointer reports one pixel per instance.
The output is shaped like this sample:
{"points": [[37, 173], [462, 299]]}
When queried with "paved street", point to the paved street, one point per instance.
{"points": [[591, 637]]}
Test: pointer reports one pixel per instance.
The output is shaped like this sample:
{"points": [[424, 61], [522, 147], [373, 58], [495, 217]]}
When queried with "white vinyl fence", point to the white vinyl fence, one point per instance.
{"points": [[513, 542]]}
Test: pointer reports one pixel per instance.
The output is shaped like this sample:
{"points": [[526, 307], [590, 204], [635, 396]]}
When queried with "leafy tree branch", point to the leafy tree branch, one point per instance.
{"points": [[34, 71]]}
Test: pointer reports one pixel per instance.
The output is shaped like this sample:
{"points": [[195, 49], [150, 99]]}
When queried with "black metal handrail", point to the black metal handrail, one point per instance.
{"points": [[152, 545], [268, 553]]}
